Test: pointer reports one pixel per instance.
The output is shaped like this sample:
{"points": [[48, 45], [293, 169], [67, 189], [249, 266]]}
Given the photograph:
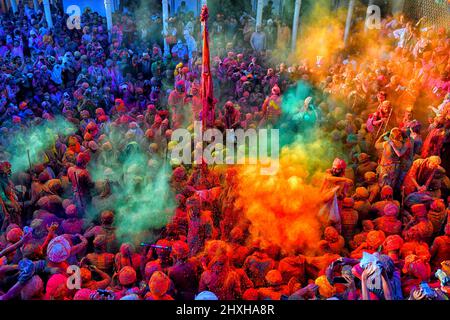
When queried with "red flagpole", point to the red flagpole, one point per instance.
{"points": [[207, 92]]}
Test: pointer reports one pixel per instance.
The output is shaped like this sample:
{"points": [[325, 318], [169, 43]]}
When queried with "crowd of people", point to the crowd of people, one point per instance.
{"points": [[384, 219]]}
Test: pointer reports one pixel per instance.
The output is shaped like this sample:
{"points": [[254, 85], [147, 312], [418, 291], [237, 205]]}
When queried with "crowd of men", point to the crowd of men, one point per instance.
{"points": [[386, 234]]}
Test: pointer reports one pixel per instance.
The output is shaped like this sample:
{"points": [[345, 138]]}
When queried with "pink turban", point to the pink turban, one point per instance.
{"points": [[55, 283], [71, 210], [83, 294]]}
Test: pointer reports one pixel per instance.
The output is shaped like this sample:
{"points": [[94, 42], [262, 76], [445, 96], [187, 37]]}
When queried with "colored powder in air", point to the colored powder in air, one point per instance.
{"points": [[35, 140], [283, 208], [141, 196]]}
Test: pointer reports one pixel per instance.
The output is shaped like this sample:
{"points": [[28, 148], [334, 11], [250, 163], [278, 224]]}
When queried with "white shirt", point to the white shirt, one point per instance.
{"points": [[191, 44]]}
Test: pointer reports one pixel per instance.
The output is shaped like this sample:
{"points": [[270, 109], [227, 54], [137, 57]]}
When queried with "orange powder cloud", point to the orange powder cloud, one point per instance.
{"points": [[282, 208]]}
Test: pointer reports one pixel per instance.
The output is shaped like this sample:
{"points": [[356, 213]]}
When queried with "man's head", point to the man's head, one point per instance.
{"points": [[367, 225], [127, 276], [331, 234], [363, 158], [229, 106], [348, 203], [180, 86], [386, 106], [370, 177], [434, 162], [83, 159], [107, 217], [338, 168], [419, 210], [159, 284], [391, 210], [396, 134], [5, 168], [387, 192], [276, 90], [86, 275]]}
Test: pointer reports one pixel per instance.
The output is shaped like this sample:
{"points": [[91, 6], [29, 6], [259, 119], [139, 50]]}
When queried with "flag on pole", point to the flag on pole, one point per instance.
{"points": [[207, 92]]}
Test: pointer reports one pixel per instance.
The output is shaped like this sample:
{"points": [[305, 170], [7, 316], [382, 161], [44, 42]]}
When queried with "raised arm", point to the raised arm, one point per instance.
{"points": [[79, 247], [106, 279]]}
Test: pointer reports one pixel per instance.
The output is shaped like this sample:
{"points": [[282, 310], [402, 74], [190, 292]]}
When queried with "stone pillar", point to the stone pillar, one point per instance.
{"points": [[48, 13], [298, 5], [348, 23], [108, 11], [259, 12], [165, 18], [35, 5], [14, 6]]}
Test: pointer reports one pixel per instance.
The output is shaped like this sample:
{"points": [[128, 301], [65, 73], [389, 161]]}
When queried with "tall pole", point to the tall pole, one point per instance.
{"points": [[351, 6], [259, 12], [108, 10], [207, 89], [203, 3], [48, 13], [35, 5], [165, 9], [298, 5], [14, 6]]}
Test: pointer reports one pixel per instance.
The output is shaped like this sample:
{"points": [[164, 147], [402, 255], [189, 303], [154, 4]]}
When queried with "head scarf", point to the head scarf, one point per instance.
{"points": [[274, 278], [56, 284], [159, 283], [151, 267], [58, 249], [127, 276], [393, 242], [83, 294], [180, 250], [390, 210], [14, 235], [375, 238], [326, 290], [419, 210], [206, 295]]}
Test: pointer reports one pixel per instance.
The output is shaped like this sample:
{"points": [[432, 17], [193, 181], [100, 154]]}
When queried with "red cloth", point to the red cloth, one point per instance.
{"points": [[208, 113]]}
